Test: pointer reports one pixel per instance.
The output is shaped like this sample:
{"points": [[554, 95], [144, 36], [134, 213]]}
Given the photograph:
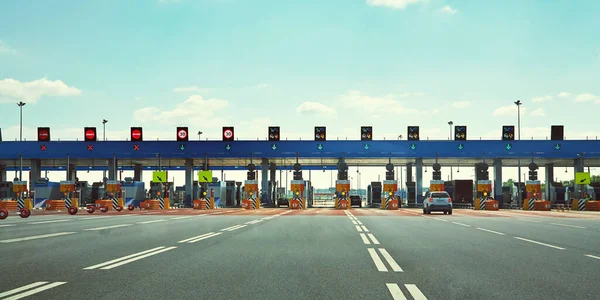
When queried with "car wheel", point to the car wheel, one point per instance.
{"points": [[445, 212], [450, 212], [424, 212]]}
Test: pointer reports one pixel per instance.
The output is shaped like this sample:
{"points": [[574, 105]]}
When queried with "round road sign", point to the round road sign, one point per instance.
{"points": [[43, 134], [182, 134], [228, 133], [90, 134], [136, 134]]}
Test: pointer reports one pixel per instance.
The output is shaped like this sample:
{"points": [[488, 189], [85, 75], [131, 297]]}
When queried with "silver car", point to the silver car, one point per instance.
{"points": [[437, 201]]}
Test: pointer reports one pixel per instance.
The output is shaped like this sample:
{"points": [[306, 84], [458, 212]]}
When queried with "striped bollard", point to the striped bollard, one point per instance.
{"points": [[581, 204], [20, 203], [68, 203], [482, 204], [161, 203], [115, 203], [531, 204]]}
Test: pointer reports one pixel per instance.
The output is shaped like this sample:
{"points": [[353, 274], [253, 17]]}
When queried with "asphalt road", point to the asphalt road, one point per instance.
{"points": [[310, 254]]}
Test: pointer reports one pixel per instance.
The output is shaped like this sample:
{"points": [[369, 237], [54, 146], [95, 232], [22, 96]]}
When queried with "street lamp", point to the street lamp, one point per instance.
{"points": [[21, 104], [104, 121], [518, 103], [450, 124], [199, 134]]}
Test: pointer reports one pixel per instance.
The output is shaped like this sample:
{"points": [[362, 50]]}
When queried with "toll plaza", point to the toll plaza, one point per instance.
{"points": [[198, 158]]}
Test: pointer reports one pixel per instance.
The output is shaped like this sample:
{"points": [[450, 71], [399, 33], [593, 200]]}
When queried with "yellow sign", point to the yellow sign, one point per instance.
{"points": [[205, 176], [159, 176], [582, 178]]}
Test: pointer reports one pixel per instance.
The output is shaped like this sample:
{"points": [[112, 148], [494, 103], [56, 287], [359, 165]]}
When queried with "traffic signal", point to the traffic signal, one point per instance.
{"points": [[43, 134], [297, 175], [366, 133], [137, 134], [460, 133], [89, 134], [533, 175], [320, 133], [557, 132], [228, 133], [182, 134], [437, 175], [413, 133], [274, 134], [508, 133], [251, 175]]}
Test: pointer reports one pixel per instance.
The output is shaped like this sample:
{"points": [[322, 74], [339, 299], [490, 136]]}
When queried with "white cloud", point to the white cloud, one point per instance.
{"points": [[262, 86], [374, 105], [194, 109], [5, 49], [190, 89], [539, 112], [395, 4], [409, 94], [448, 10], [563, 95], [509, 110], [586, 97], [316, 108], [541, 99], [461, 104], [13, 90]]}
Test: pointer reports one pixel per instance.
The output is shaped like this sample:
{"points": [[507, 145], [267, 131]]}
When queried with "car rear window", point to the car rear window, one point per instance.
{"points": [[439, 195]]}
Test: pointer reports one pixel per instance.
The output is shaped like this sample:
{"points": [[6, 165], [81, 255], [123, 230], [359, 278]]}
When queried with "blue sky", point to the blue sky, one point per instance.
{"points": [[296, 64]]}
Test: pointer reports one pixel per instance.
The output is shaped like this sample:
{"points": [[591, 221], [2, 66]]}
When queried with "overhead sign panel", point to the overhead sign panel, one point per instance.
{"points": [[159, 176], [460, 133], [205, 176], [413, 133], [320, 133], [274, 134], [508, 133], [366, 133]]}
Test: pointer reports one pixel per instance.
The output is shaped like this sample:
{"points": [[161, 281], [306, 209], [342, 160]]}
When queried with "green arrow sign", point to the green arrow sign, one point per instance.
{"points": [[413, 146], [367, 147], [320, 146], [557, 146], [182, 147], [461, 146], [508, 146], [274, 146], [228, 147]]}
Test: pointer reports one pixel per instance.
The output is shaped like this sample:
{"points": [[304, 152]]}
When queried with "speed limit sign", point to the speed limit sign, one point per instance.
{"points": [[227, 133], [182, 134]]}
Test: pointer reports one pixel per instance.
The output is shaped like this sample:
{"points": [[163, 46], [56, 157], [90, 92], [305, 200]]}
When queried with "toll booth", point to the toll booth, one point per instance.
{"points": [[251, 199], [534, 192], [596, 188], [374, 194], [98, 191], [558, 193], [411, 190], [389, 200], [220, 192], [133, 191], [484, 190], [229, 194], [156, 187], [449, 188], [238, 194], [520, 188], [45, 190], [84, 193], [463, 191], [342, 191], [6, 190], [507, 195]]}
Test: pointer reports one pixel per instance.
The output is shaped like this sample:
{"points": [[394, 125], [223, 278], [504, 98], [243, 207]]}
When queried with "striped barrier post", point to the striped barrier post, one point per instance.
{"points": [[384, 203], [300, 203], [161, 203], [20, 203], [253, 203], [482, 204], [581, 204], [115, 203], [531, 203], [68, 203]]}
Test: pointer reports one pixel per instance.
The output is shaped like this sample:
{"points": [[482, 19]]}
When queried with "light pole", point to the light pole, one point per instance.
{"points": [[450, 123], [104, 121], [518, 103], [21, 104], [199, 134]]}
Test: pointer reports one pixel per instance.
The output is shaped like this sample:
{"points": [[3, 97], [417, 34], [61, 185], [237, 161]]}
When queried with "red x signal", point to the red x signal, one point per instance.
{"points": [[90, 147], [43, 147], [136, 147]]}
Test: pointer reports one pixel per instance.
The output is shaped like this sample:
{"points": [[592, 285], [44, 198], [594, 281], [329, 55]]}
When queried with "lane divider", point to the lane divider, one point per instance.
{"points": [[496, 232], [592, 256], [182, 218], [196, 237], [48, 222], [108, 227], [364, 228], [129, 258], [358, 228], [153, 221], [35, 237], [379, 262], [7, 225], [566, 225], [539, 243], [375, 241], [397, 293], [204, 237], [365, 239], [30, 289], [461, 224], [232, 228]]}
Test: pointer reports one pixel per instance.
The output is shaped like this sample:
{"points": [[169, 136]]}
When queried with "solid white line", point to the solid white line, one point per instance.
{"points": [[566, 225], [358, 228], [365, 239], [35, 291], [137, 258], [7, 225], [181, 218], [390, 260], [440, 219], [461, 224], [121, 258], [539, 243], [234, 226], [365, 228], [94, 218], [108, 227], [53, 221], [239, 227], [395, 291], [415, 292], [359, 222], [496, 232], [354, 222], [526, 220], [375, 241], [592, 256], [378, 262], [193, 238], [23, 288], [204, 237], [153, 221], [35, 237]]}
